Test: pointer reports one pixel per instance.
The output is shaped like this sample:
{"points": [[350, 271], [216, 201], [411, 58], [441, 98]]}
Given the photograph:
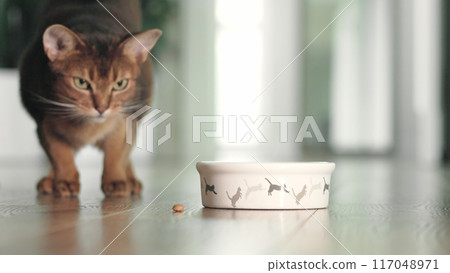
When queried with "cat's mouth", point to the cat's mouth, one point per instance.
{"points": [[99, 119]]}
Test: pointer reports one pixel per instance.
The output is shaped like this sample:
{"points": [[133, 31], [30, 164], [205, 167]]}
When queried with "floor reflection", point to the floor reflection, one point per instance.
{"points": [[61, 217], [297, 231], [72, 226], [116, 230]]}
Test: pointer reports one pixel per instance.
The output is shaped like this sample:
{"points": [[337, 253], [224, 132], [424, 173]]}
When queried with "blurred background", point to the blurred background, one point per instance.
{"points": [[374, 75]]}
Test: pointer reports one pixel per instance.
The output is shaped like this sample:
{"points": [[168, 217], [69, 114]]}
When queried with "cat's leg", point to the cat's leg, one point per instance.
{"points": [[65, 182], [116, 169], [136, 185]]}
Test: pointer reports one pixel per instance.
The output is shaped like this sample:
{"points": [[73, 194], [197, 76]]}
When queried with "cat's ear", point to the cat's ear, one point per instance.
{"points": [[58, 41], [139, 45]]}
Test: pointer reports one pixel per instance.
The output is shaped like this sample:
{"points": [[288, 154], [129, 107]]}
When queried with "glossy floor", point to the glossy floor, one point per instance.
{"points": [[376, 207]]}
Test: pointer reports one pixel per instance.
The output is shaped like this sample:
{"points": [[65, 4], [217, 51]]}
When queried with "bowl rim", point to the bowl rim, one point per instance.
{"points": [[264, 167]]}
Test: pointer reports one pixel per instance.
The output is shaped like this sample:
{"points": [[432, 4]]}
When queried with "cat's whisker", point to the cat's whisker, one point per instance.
{"points": [[72, 116], [61, 111], [133, 106], [127, 109], [42, 99], [66, 98], [130, 108]]}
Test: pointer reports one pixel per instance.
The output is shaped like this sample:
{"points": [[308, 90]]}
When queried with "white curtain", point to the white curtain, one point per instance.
{"points": [[386, 80]]}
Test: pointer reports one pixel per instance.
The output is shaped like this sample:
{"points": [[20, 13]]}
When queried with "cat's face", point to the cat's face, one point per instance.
{"points": [[95, 85]]}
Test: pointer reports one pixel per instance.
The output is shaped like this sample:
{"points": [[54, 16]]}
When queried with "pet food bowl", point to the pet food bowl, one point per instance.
{"points": [[289, 185]]}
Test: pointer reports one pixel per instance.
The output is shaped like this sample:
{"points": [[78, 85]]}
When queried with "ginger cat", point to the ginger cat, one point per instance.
{"points": [[80, 79]]}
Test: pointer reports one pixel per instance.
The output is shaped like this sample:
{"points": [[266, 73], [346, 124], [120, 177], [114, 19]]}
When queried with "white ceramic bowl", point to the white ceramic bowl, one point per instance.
{"points": [[289, 185]]}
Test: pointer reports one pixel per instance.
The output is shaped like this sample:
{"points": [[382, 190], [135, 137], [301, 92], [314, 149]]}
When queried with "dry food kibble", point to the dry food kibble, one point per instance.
{"points": [[178, 208]]}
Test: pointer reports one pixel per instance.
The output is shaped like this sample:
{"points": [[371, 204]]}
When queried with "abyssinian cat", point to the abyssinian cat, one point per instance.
{"points": [[80, 78]]}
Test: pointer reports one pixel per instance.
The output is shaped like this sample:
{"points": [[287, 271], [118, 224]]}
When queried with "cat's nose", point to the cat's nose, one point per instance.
{"points": [[101, 109]]}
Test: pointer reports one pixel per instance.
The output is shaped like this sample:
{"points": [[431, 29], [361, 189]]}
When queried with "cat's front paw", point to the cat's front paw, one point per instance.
{"points": [[64, 188], [45, 186], [121, 188], [116, 189], [58, 188], [136, 186]]}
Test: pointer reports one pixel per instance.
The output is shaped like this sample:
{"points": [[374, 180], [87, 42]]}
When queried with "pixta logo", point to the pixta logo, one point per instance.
{"points": [[149, 120], [243, 128]]}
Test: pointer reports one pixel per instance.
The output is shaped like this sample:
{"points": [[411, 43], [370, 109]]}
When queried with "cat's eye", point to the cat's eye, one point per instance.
{"points": [[120, 85], [81, 83]]}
